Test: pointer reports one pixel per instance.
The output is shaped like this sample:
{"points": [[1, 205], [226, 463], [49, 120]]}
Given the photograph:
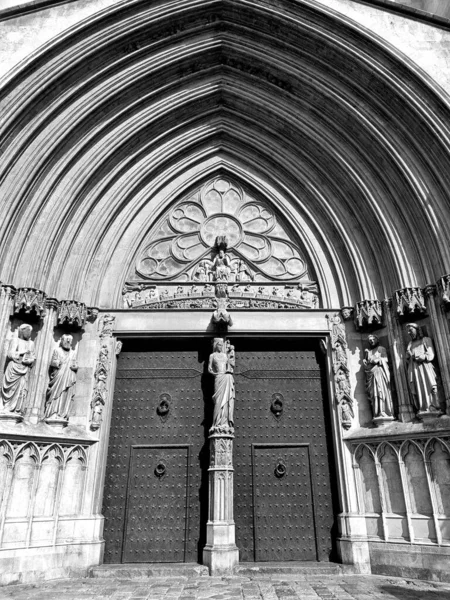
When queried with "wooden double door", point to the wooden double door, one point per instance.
{"points": [[156, 490]]}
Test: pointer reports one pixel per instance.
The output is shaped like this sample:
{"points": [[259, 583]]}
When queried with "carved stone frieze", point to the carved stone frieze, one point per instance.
{"points": [[368, 314], [343, 397], [409, 301], [30, 300], [250, 295], [72, 313], [99, 395]]}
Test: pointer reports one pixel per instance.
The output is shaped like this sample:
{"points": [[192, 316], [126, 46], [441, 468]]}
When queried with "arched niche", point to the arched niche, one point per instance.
{"points": [[73, 483], [49, 475], [24, 474]]}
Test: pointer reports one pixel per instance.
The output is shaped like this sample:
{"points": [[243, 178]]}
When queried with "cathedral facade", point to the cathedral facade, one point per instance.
{"points": [[225, 289]]}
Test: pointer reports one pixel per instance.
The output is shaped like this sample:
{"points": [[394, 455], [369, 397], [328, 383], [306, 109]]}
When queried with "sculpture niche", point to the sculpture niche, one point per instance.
{"points": [[421, 374], [378, 381], [60, 391], [221, 367], [21, 358]]}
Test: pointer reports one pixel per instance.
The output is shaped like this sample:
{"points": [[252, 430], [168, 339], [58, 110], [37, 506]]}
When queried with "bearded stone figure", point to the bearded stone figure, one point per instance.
{"points": [[21, 358], [378, 379], [421, 374], [60, 392], [221, 368]]}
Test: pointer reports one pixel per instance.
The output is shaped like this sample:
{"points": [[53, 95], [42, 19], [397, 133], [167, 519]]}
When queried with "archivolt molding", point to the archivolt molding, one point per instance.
{"points": [[106, 126]]}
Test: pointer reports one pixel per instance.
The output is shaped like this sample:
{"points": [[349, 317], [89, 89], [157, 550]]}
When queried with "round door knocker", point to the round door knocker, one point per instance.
{"points": [[280, 470], [163, 407], [277, 405], [160, 469]]}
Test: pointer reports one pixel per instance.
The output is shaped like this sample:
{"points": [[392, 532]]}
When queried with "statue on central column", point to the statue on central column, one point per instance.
{"points": [[221, 366]]}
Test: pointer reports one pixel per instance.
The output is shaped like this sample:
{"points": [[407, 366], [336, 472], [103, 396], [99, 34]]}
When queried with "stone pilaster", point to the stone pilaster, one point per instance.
{"points": [[44, 348], [6, 309], [406, 412], [220, 553], [439, 329]]}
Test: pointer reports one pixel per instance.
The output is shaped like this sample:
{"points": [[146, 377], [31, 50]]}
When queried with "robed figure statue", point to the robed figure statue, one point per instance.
{"points": [[21, 358], [221, 367], [421, 374], [60, 391], [378, 378]]}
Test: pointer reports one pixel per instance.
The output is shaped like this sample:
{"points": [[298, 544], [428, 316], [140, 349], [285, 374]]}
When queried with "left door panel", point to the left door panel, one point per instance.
{"points": [[157, 515], [159, 417]]}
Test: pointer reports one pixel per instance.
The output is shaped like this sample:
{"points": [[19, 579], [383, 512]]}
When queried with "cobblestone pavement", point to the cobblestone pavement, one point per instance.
{"points": [[325, 587]]}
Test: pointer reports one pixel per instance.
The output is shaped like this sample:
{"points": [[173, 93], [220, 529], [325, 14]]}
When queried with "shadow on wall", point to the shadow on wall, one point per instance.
{"points": [[402, 593], [436, 8]]}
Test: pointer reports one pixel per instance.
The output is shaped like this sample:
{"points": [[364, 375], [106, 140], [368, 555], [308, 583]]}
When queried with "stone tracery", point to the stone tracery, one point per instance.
{"points": [[258, 244]]}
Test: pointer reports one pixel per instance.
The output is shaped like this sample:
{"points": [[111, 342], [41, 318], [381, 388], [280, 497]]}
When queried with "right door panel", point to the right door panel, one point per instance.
{"points": [[282, 412], [283, 503]]}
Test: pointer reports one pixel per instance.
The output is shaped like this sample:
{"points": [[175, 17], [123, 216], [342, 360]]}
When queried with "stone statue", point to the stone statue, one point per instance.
{"points": [[378, 378], [221, 266], [421, 375], [21, 358], [221, 366], [60, 392]]}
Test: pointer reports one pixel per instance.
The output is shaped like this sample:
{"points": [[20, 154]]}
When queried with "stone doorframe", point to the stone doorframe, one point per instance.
{"points": [[351, 543]]}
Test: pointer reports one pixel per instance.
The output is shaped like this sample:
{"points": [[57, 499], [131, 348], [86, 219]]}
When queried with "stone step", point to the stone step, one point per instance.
{"points": [[301, 569], [173, 570], [146, 570]]}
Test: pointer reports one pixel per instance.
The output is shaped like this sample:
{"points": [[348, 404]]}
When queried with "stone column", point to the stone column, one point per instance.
{"points": [[220, 553], [406, 412], [440, 339], [6, 310], [45, 343]]}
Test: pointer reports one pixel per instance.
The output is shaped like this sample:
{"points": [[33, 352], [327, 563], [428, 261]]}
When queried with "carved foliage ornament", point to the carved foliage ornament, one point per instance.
{"points": [[258, 244]]}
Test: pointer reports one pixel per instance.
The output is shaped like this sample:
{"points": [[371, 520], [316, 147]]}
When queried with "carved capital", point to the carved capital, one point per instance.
{"points": [[30, 300], [106, 325], [430, 290], [7, 291], [347, 312], [368, 314], [92, 314], [52, 304], [221, 318], [409, 300], [72, 313], [444, 290]]}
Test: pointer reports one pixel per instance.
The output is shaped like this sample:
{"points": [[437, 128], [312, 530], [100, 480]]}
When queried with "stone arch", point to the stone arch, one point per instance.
{"points": [[333, 131]]}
